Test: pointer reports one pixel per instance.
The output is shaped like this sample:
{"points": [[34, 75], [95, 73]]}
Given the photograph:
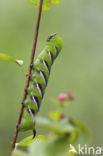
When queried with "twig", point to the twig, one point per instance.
{"points": [[27, 80]]}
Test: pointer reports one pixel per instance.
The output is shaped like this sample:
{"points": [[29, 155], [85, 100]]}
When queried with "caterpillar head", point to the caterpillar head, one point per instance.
{"points": [[55, 41]]}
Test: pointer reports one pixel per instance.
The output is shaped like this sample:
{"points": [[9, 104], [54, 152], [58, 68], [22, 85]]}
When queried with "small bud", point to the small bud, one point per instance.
{"points": [[62, 116], [70, 95], [62, 97]]}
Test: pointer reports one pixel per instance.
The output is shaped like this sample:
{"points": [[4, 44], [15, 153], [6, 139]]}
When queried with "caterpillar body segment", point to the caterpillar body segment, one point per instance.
{"points": [[38, 81]]}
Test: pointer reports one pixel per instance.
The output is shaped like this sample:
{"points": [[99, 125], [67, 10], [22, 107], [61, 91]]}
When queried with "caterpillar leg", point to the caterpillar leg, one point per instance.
{"points": [[30, 75], [17, 125], [31, 65]]}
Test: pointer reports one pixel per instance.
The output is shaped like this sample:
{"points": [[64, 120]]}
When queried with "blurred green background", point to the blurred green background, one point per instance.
{"points": [[79, 67]]}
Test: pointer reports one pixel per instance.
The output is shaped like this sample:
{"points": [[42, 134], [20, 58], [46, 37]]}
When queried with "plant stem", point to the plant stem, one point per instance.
{"points": [[27, 80]]}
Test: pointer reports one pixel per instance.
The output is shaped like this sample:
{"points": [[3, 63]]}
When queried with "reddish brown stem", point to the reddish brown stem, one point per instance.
{"points": [[27, 80]]}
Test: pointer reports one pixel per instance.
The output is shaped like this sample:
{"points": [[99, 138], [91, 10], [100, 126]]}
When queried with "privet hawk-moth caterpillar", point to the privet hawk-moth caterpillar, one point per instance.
{"points": [[38, 81]]}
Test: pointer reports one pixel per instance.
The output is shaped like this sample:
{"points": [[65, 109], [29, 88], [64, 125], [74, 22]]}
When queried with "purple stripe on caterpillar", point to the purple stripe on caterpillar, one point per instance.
{"points": [[35, 100], [39, 87], [51, 37], [43, 76], [56, 51], [31, 111], [46, 66], [50, 56]]}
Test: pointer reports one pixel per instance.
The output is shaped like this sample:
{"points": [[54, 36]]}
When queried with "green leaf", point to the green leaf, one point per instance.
{"points": [[68, 132], [55, 115], [5, 57], [57, 146], [54, 126], [46, 3], [28, 140], [83, 132], [19, 153], [40, 137], [55, 1]]}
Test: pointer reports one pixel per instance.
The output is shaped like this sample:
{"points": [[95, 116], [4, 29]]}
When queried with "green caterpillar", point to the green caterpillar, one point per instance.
{"points": [[38, 81]]}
